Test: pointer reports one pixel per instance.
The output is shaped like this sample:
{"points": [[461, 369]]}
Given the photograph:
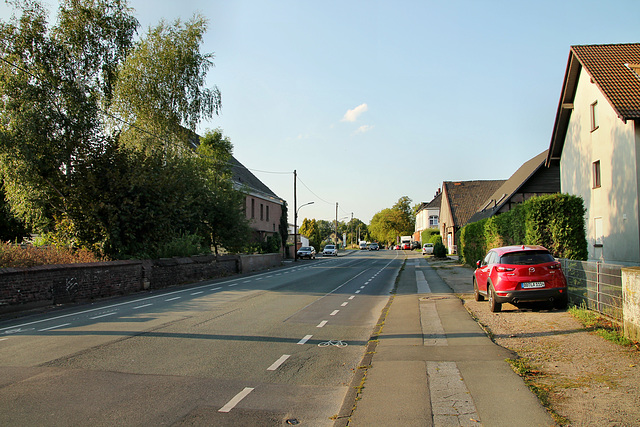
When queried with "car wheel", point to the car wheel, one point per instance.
{"points": [[476, 292], [494, 305]]}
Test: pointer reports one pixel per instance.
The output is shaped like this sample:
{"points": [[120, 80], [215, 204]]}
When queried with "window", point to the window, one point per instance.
{"points": [[596, 174], [599, 235], [594, 116], [261, 212], [433, 221], [267, 212], [253, 208]]}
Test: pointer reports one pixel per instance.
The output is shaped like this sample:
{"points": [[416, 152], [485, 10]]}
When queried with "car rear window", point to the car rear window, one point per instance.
{"points": [[329, 247], [527, 258]]}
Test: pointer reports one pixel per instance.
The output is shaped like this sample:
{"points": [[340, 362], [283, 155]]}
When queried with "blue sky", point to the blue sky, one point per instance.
{"points": [[373, 100]]}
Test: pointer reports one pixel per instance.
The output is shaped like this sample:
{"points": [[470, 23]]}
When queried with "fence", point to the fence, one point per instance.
{"points": [[596, 285]]}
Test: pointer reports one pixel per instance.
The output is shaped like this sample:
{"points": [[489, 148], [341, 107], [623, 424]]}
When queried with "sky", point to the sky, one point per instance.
{"points": [[369, 101]]}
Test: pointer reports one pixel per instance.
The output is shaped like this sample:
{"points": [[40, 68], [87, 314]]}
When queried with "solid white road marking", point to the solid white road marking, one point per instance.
{"points": [[334, 312], [237, 398], [305, 339], [321, 324], [278, 362], [103, 315], [53, 327]]}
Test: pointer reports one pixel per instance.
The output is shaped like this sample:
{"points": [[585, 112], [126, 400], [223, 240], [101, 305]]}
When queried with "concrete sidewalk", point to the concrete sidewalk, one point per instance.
{"points": [[434, 366]]}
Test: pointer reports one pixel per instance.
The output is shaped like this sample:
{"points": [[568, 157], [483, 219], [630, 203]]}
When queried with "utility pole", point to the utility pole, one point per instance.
{"points": [[295, 219], [336, 230]]}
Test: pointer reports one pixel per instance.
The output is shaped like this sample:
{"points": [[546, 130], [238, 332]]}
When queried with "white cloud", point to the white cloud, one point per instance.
{"points": [[352, 115], [364, 128]]}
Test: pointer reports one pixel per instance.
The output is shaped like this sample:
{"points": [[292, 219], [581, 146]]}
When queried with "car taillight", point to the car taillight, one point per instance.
{"points": [[503, 269], [555, 266]]}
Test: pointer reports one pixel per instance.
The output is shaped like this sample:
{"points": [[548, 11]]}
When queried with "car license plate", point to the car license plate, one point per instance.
{"points": [[530, 285]]}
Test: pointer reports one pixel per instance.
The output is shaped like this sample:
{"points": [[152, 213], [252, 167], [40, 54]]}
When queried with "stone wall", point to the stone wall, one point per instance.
{"points": [[23, 288]]}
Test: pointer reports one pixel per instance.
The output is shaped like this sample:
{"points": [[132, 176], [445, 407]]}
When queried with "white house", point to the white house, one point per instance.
{"points": [[427, 216], [596, 140]]}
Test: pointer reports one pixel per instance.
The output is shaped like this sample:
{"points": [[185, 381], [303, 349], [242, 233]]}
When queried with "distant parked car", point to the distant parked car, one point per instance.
{"points": [[520, 274], [427, 249], [307, 252], [415, 245], [374, 247], [406, 246], [330, 250], [363, 245], [397, 247]]}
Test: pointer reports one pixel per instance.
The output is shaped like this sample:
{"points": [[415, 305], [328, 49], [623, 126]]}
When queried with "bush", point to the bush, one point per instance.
{"points": [[183, 246], [439, 251], [554, 221], [30, 256]]}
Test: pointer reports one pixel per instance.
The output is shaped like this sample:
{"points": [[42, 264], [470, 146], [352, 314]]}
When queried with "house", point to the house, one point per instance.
{"points": [[460, 200], [263, 207], [427, 216], [530, 180], [596, 142]]}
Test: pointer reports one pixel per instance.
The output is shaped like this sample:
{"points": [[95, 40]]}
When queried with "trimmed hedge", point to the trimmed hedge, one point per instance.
{"points": [[555, 221], [430, 235]]}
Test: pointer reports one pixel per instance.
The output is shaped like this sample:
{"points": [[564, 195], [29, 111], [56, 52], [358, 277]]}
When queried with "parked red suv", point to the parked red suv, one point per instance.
{"points": [[520, 274]]}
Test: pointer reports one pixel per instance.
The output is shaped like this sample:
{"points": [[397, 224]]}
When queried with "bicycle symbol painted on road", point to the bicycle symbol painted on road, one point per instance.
{"points": [[336, 343], [16, 331]]}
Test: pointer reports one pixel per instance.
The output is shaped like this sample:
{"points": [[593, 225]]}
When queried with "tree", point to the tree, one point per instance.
{"points": [[52, 86], [283, 228], [160, 87], [310, 230]]}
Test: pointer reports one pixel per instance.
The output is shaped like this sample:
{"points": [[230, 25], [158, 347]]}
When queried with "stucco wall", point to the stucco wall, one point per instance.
{"points": [[615, 144]]}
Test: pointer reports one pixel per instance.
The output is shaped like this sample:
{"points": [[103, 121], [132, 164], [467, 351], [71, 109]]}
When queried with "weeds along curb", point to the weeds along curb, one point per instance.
{"points": [[358, 383]]}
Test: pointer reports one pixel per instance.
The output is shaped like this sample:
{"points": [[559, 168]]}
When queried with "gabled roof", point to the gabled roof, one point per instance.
{"points": [[614, 69], [433, 204], [466, 197], [244, 180], [510, 187]]}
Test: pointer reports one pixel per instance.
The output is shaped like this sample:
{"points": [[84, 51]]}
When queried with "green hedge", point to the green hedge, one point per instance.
{"points": [[554, 221], [430, 235]]}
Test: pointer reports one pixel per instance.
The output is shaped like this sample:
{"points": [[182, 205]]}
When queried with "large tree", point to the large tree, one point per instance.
{"points": [[161, 87], [390, 223], [52, 85]]}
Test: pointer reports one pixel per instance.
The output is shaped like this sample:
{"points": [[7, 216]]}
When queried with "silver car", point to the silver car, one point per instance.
{"points": [[307, 252], [330, 250]]}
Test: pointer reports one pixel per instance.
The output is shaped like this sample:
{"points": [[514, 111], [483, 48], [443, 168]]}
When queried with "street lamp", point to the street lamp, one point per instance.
{"points": [[295, 231]]}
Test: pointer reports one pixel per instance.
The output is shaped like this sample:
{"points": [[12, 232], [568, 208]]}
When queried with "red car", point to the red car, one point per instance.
{"points": [[520, 274]]}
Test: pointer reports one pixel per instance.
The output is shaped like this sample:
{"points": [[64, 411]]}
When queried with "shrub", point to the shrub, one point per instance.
{"points": [[183, 246], [30, 256], [554, 221], [439, 251]]}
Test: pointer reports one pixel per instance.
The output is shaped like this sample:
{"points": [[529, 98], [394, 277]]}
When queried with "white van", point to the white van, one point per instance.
{"points": [[363, 245]]}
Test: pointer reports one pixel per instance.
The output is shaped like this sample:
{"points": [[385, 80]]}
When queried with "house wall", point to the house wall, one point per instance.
{"points": [[447, 228], [615, 204], [256, 209]]}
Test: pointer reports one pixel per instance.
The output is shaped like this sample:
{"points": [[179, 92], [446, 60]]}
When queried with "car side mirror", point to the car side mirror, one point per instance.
{"points": [[478, 263]]}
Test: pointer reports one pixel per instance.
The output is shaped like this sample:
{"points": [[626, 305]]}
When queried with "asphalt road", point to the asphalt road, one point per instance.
{"points": [[262, 349]]}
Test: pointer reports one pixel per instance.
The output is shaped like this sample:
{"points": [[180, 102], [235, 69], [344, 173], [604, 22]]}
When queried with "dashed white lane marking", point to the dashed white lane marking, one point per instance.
{"points": [[278, 362], [358, 291], [352, 297], [103, 315], [216, 289], [237, 398], [344, 304], [141, 306], [172, 299], [423, 285], [321, 324], [451, 402], [305, 339], [334, 312], [247, 281], [197, 293], [53, 327], [362, 287]]}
